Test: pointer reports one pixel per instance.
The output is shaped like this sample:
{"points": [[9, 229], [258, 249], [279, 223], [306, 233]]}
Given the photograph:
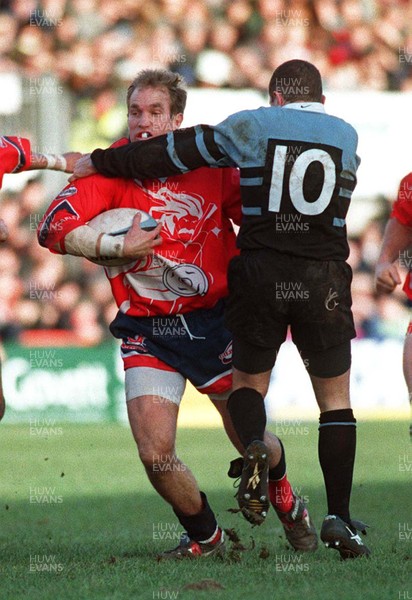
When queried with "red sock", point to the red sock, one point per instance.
{"points": [[215, 538], [281, 494]]}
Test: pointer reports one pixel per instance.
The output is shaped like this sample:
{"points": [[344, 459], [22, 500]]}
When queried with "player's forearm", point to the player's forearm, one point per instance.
{"points": [[85, 241], [56, 162], [136, 244], [142, 160], [397, 237], [163, 156]]}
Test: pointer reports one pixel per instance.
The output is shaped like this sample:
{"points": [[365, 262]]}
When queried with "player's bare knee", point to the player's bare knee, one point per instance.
{"points": [[256, 381], [154, 454]]}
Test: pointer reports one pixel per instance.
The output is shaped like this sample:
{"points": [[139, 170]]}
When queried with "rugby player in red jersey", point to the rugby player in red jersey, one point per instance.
{"points": [[396, 245], [16, 156], [170, 303]]}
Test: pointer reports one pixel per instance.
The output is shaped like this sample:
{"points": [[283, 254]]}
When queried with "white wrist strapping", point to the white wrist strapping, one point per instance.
{"points": [[63, 162], [54, 160], [111, 246], [86, 241]]}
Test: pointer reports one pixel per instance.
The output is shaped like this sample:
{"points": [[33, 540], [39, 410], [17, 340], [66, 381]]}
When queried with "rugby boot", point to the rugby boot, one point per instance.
{"points": [[341, 536], [188, 548], [253, 495], [299, 529]]}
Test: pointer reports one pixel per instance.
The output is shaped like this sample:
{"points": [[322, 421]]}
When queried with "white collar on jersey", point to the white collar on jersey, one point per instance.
{"points": [[310, 106]]}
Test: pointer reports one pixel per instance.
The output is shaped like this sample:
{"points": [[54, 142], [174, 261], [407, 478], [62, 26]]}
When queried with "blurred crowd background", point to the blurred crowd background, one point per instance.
{"points": [[94, 48], [93, 45]]}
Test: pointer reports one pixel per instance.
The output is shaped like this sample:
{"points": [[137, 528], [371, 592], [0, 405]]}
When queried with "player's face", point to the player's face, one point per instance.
{"points": [[149, 113]]}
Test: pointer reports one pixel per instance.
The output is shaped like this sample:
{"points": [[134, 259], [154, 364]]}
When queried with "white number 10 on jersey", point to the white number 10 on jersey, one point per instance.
{"points": [[296, 178]]}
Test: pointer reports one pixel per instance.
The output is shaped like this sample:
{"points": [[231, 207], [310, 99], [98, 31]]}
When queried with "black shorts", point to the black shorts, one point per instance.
{"points": [[269, 291]]}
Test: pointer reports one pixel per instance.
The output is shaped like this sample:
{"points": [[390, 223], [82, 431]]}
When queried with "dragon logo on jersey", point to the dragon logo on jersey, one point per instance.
{"points": [[176, 271], [183, 216]]}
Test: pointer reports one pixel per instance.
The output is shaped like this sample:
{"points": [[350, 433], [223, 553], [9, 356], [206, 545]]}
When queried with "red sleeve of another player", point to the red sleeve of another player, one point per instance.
{"points": [[232, 206], [402, 207], [14, 155], [74, 206], [122, 142]]}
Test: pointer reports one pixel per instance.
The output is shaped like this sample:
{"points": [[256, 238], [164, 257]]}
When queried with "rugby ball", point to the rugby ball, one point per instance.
{"points": [[117, 222]]}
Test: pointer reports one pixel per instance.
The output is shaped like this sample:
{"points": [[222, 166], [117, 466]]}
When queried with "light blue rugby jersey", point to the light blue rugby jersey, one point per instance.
{"points": [[298, 171]]}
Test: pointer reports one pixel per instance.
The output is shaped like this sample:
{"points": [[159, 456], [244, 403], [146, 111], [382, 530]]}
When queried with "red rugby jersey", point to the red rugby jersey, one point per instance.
{"points": [[14, 155], [188, 271], [402, 212]]}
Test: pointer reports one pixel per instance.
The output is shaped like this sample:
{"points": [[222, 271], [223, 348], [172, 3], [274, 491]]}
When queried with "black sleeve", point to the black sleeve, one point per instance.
{"points": [[148, 159], [161, 156]]}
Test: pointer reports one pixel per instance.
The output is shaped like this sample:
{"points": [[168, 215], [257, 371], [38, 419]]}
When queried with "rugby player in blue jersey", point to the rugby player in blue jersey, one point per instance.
{"points": [[297, 165]]}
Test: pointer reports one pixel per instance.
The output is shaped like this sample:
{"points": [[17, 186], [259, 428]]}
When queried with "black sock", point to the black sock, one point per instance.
{"points": [[337, 447], [278, 472], [201, 526], [247, 411]]}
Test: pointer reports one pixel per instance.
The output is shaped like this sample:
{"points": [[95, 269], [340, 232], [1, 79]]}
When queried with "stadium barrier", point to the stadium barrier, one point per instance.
{"points": [[85, 384], [62, 383]]}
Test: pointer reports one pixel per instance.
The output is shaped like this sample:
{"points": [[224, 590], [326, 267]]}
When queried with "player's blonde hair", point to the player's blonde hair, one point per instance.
{"points": [[161, 78]]}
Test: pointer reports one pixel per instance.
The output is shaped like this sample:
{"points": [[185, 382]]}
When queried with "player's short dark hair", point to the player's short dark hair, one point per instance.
{"points": [[161, 78], [297, 80]]}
